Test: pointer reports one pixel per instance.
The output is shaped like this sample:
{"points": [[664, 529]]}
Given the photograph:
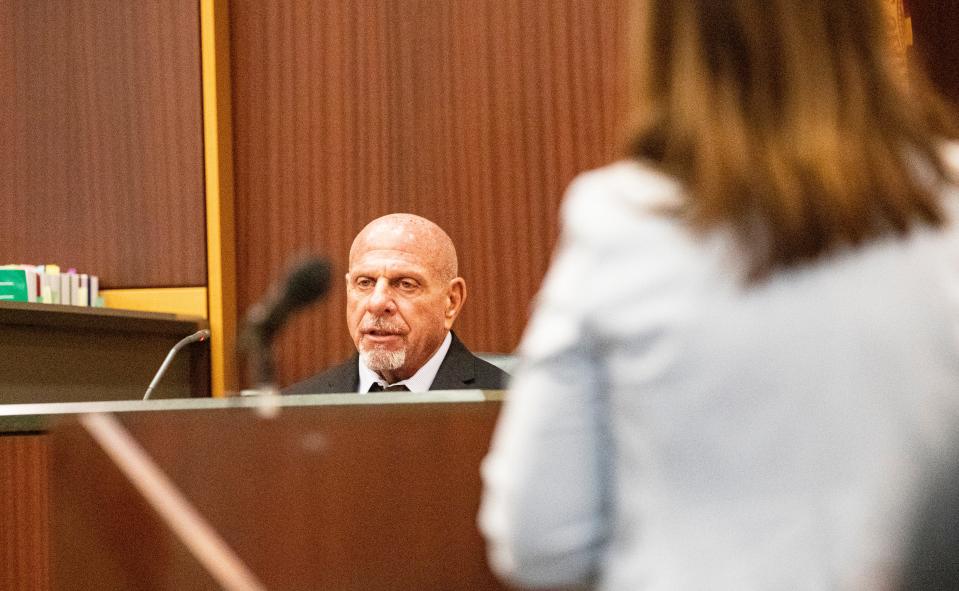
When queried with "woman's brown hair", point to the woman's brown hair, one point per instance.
{"points": [[786, 121]]}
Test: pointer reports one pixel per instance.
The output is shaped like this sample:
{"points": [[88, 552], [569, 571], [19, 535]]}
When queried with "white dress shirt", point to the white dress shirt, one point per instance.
{"points": [[668, 428], [418, 382]]}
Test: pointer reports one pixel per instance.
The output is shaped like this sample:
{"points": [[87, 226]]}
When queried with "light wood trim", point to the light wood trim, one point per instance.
{"points": [[190, 301], [218, 153]]}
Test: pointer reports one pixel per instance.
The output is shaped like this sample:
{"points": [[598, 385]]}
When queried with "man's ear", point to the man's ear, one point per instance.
{"points": [[455, 297]]}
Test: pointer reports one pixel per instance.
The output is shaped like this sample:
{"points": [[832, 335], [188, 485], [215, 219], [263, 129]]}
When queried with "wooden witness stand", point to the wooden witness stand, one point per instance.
{"points": [[335, 492]]}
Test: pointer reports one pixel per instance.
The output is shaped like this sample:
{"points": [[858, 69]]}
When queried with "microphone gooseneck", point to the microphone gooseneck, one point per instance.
{"points": [[198, 336], [305, 284]]}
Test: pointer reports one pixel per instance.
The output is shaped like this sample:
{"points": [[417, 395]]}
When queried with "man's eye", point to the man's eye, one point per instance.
{"points": [[364, 283], [407, 284]]}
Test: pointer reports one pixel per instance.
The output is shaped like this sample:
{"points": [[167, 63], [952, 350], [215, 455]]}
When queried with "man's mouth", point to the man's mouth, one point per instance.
{"points": [[380, 336], [380, 333]]}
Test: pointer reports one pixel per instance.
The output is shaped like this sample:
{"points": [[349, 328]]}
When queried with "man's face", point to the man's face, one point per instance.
{"points": [[398, 307]]}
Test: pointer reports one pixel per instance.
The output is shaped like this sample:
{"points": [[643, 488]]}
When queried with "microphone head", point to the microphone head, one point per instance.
{"points": [[197, 337], [306, 283]]}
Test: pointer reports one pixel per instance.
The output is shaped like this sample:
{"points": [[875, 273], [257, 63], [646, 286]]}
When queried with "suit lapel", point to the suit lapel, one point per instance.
{"points": [[457, 368], [345, 377]]}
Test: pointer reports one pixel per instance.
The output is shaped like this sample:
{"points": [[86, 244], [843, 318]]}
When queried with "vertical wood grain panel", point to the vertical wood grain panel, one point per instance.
{"points": [[102, 165], [24, 513], [473, 113]]}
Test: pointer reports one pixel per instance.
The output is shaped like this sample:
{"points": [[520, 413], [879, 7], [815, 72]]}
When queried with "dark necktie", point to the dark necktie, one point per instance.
{"points": [[376, 387]]}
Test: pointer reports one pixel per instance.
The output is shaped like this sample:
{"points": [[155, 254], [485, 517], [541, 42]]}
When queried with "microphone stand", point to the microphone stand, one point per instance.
{"points": [[258, 344], [262, 366], [200, 335]]}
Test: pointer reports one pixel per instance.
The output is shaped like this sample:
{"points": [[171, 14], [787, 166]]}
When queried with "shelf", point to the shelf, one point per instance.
{"points": [[107, 319]]}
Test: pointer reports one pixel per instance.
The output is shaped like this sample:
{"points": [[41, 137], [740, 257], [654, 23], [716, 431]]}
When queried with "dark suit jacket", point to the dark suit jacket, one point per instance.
{"points": [[460, 370]]}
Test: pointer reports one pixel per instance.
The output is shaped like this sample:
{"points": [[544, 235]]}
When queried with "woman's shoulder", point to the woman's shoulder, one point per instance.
{"points": [[950, 155], [618, 196], [630, 180]]}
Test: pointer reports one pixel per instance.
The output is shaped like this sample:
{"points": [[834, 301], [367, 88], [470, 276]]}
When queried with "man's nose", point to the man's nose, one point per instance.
{"points": [[381, 300]]}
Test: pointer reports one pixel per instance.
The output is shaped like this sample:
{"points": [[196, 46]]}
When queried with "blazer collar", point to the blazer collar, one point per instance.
{"points": [[457, 369]]}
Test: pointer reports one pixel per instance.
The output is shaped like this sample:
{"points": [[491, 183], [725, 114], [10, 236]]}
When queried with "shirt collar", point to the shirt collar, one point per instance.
{"points": [[418, 382]]}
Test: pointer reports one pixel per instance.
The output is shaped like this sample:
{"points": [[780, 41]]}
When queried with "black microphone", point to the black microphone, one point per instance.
{"points": [[306, 283], [200, 335]]}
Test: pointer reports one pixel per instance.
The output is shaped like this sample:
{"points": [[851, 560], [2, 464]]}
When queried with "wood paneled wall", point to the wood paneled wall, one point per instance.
{"points": [[473, 113], [101, 163], [24, 512]]}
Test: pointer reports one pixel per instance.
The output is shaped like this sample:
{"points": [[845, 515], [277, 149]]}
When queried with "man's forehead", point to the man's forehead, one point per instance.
{"points": [[394, 236], [388, 259]]}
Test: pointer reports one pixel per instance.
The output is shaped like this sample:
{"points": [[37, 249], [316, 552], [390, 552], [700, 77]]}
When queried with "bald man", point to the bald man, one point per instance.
{"points": [[403, 294]]}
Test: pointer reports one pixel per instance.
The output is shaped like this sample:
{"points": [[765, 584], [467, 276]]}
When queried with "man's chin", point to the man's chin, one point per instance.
{"points": [[381, 359]]}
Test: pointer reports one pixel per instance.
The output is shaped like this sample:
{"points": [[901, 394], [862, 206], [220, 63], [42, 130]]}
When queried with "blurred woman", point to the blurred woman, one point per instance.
{"points": [[745, 355]]}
